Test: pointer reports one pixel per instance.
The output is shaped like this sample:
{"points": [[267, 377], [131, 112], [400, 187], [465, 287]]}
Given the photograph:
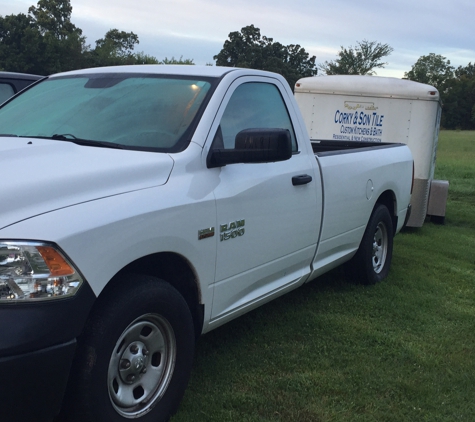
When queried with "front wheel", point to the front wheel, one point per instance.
{"points": [[372, 261], [135, 357]]}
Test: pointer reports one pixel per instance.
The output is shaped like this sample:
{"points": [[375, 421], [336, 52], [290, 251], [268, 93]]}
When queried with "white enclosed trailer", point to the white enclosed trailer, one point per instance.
{"points": [[379, 109]]}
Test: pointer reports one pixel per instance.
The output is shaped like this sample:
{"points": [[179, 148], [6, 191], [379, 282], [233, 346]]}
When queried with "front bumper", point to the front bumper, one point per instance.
{"points": [[32, 385], [37, 345]]}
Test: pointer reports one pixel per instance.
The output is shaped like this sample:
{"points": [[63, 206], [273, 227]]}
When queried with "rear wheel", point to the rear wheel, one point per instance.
{"points": [[135, 358], [371, 263]]}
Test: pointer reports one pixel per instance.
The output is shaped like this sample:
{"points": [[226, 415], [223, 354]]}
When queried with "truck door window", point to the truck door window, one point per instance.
{"points": [[253, 105]]}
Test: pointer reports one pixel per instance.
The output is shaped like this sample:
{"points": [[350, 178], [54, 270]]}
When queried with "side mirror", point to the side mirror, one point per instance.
{"points": [[254, 146]]}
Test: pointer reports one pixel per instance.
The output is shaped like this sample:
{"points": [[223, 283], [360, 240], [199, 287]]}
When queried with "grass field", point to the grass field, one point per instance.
{"points": [[403, 350]]}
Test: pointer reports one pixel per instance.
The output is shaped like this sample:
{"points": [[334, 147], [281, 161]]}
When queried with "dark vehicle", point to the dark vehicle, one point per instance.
{"points": [[11, 83]]}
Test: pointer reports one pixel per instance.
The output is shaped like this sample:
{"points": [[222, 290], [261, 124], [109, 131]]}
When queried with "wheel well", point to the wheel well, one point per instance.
{"points": [[388, 199], [175, 270]]}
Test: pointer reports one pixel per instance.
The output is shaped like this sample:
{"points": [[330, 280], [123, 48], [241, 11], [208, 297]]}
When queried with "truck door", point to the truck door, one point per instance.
{"points": [[267, 226]]}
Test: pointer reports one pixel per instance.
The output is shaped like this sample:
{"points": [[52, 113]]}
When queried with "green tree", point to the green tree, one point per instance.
{"points": [[432, 69], [43, 42], [115, 48], [465, 72], [166, 60], [63, 42], [54, 17], [142, 58], [359, 60], [459, 99], [46, 41], [21, 45], [249, 49], [456, 88], [121, 43]]}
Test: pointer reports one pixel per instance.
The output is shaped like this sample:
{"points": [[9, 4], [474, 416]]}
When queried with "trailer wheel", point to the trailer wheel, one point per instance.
{"points": [[372, 261], [135, 358]]}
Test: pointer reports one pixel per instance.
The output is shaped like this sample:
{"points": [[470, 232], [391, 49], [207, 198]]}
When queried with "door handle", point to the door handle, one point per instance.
{"points": [[302, 179]]}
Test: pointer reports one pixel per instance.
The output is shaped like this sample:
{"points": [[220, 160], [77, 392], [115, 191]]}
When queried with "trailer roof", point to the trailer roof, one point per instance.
{"points": [[367, 86]]}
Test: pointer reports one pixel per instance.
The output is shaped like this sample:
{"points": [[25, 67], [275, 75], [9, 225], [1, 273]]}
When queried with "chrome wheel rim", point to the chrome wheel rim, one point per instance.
{"points": [[380, 247], [141, 365]]}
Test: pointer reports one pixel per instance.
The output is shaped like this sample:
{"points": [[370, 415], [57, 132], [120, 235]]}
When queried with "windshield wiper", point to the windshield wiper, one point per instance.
{"points": [[85, 142]]}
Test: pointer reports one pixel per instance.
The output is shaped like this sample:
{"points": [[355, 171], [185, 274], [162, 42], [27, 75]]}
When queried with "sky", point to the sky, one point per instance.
{"points": [[197, 29]]}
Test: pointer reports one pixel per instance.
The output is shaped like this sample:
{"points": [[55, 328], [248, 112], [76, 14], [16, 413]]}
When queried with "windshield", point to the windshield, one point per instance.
{"points": [[135, 111]]}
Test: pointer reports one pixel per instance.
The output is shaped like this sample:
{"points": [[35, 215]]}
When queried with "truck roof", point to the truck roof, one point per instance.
{"points": [[367, 86], [159, 69]]}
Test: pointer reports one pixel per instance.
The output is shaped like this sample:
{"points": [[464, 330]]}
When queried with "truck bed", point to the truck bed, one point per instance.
{"points": [[354, 175]]}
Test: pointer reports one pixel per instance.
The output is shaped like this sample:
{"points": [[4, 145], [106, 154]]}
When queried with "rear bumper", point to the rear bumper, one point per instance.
{"points": [[32, 385]]}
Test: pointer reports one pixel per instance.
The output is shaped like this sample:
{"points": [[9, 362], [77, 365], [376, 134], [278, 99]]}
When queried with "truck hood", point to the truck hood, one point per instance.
{"points": [[40, 175]]}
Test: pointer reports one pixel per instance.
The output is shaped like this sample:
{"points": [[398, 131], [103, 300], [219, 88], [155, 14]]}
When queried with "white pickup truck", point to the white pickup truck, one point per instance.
{"points": [[144, 205]]}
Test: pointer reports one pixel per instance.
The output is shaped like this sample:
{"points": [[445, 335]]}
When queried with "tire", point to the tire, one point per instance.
{"points": [[372, 261], [135, 357]]}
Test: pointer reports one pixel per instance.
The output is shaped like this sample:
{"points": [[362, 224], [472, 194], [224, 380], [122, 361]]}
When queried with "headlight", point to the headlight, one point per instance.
{"points": [[35, 271]]}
